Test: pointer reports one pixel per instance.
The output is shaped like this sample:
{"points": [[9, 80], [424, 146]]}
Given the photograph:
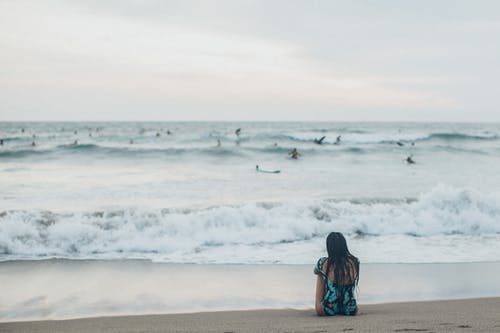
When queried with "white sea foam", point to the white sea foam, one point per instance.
{"points": [[287, 232]]}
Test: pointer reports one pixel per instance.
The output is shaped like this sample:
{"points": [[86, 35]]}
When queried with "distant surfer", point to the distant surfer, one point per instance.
{"points": [[75, 132], [131, 141], [294, 153], [1, 142], [410, 160], [337, 141], [238, 132], [158, 134], [75, 142], [320, 140], [218, 143], [22, 130], [399, 143], [168, 132], [266, 171], [33, 144]]}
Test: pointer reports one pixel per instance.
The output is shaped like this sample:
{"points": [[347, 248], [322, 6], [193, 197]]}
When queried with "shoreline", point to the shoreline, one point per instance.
{"points": [[66, 289], [477, 315], [151, 261]]}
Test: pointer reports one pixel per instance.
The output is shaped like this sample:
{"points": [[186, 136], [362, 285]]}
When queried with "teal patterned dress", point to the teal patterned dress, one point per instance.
{"points": [[338, 299]]}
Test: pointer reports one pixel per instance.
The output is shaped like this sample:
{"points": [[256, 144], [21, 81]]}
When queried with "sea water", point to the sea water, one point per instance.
{"points": [[189, 192]]}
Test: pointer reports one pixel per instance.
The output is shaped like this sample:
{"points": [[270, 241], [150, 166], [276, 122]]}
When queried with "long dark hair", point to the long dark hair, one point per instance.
{"points": [[345, 265]]}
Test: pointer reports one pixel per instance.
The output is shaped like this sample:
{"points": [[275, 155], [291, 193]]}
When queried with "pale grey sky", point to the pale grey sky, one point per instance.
{"points": [[250, 60]]}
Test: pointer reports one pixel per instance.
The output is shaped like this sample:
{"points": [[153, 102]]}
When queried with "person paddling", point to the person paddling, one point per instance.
{"points": [[320, 140], [294, 153]]}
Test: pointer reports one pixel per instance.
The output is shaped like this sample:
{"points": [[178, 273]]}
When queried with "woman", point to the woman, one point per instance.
{"points": [[337, 279]]}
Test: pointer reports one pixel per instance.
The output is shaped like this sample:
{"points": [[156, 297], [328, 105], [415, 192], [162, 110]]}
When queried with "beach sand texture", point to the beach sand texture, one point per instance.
{"points": [[471, 315]]}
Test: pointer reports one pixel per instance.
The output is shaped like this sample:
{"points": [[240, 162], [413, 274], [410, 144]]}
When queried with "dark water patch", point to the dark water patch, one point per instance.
{"points": [[321, 214], [271, 150], [463, 136], [360, 234], [212, 244], [286, 137], [16, 138], [134, 151], [4, 249], [34, 301], [454, 149], [83, 146], [375, 201], [355, 150], [21, 153]]}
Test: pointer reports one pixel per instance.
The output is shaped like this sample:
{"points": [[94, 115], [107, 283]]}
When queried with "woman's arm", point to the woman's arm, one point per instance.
{"points": [[320, 292]]}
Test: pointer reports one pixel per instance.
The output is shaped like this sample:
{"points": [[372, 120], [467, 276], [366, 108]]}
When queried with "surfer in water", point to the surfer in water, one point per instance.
{"points": [[218, 143], [238, 132], [320, 140], [294, 153], [410, 160], [399, 143], [266, 171], [1, 142], [337, 141]]}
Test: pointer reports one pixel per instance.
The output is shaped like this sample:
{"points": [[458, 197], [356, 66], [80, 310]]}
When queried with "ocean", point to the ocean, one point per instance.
{"points": [[189, 192]]}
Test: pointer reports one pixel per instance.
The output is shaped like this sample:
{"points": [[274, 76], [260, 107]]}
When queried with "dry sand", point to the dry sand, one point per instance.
{"points": [[471, 315]]}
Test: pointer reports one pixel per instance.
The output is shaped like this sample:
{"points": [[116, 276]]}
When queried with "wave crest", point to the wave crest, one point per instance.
{"points": [[172, 233]]}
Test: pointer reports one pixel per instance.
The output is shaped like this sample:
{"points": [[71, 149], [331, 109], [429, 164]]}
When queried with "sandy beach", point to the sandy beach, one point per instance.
{"points": [[141, 296], [471, 315]]}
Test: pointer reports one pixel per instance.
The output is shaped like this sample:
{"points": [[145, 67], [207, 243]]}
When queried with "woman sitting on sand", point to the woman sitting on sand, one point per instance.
{"points": [[337, 279]]}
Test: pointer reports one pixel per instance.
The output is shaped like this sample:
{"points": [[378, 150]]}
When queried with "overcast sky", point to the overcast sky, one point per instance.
{"points": [[250, 60]]}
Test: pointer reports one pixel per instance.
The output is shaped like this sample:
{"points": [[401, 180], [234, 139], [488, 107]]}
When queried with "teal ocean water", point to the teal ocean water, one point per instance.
{"points": [[189, 192]]}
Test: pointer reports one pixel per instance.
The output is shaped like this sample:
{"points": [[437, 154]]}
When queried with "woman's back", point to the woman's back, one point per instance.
{"points": [[339, 285]]}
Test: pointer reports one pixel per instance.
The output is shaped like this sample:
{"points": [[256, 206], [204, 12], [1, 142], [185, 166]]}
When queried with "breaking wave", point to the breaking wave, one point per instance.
{"points": [[186, 235]]}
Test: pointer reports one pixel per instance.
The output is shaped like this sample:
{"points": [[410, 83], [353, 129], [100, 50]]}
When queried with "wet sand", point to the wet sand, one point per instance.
{"points": [[471, 315], [71, 289]]}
